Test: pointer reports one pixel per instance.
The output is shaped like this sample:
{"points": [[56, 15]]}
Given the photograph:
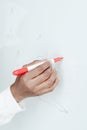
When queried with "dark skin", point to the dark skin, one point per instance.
{"points": [[41, 80]]}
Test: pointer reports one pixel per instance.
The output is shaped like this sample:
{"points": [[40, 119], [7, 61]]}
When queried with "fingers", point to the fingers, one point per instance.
{"points": [[42, 77], [41, 80], [48, 83], [49, 89], [38, 70]]}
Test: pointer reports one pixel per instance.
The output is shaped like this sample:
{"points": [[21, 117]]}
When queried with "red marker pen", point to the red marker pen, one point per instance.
{"points": [[22, 71]]}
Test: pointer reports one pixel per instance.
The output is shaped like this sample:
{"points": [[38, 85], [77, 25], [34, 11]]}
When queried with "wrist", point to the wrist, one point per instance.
{"points": [[15, 93]]}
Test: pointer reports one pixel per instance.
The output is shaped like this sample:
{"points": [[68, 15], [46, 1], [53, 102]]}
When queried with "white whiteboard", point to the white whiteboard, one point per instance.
{"points": [[36, 29]]}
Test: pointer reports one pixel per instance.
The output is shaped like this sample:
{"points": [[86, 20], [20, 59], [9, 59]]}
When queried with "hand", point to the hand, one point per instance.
{"points": [[41, 80]]}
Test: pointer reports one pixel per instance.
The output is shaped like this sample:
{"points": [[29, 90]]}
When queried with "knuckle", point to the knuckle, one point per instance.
{"points": [[54, 72], [36, 61], [40, 68], [47, 63], [43, 66], [46, 74], [51, 80], [49, 83]]}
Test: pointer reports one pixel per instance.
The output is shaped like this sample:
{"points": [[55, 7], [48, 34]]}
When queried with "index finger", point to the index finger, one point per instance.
{"points": [[38, 70]]}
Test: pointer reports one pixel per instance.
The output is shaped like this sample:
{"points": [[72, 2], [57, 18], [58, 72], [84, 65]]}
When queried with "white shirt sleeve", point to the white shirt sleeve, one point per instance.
{"points": [[8, 106]]}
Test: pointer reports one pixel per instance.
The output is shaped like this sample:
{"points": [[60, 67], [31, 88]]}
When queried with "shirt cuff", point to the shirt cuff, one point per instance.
{"points": [[8, 104]]}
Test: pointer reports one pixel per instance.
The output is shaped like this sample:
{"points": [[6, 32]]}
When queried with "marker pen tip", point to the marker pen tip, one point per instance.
{"points": [[58, 59]]}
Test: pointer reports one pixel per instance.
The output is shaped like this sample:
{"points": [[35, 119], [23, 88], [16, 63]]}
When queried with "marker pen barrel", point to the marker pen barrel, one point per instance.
{"points": [[22, 71]]}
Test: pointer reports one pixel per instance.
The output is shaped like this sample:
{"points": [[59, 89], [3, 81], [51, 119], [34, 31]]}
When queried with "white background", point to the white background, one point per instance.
{"points": [[33, 29]]}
